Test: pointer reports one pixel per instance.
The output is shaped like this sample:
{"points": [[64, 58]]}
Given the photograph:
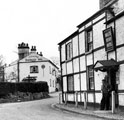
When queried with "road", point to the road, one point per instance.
{"points": [[37, 110]]}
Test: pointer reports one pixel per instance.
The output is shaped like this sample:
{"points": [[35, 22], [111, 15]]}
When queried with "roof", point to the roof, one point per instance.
{"points": [[33, 57], [97, 13], [105, 64], [69, 37]]}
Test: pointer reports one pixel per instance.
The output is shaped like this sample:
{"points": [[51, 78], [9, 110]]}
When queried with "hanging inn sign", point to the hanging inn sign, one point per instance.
{"points": [[109, 39]]}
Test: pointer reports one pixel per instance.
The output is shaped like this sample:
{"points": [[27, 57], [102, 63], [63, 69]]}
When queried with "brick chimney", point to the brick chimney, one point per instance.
{"points": [[33, 49], [23, 50]]}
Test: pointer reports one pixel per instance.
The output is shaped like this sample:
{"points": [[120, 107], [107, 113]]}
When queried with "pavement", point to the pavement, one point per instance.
{"points": [[118, 115]]}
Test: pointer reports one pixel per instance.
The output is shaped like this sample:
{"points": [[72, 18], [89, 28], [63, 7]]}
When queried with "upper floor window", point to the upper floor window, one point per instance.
{"points": [[69, 51], [33, 69], [108, 39], [90, 77], [89, 40]]}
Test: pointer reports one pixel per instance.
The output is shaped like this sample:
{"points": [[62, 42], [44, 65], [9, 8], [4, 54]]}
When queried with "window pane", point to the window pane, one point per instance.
{"points": [[90, 77], [69, 51], [33, 69], [70, 83]]}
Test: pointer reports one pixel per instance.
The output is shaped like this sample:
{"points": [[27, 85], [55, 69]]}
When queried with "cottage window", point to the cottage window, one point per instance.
{"points": [[89, 40], [33, 69], [69, 51], [70, 83], [90, 78]]}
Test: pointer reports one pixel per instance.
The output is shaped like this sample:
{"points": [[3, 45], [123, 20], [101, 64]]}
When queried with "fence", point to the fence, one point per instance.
{"points": [[113, 94]]}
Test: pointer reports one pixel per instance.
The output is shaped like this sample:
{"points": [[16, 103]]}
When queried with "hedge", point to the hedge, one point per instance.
{"points": [[34, 87]]}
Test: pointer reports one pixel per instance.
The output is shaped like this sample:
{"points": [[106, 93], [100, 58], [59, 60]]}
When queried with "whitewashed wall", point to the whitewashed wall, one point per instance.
{"points": [[76, 82], [100, 55], [64, 69], [82, 43], [120, 54], [63, 52], [82, 63], [64, 84], [42, 75], [69, 67], [120, 31], [98, 40], [89, 59], [76, 65], [121, 77], [75, 46], [83, 81]]}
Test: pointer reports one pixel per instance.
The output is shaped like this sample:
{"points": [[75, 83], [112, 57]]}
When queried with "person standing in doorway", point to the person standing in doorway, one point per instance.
{"points": [[106, 93]]}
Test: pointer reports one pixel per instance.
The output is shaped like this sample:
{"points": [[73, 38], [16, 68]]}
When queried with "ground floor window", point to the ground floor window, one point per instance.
{"points": [[90, 78], [70, 83]]}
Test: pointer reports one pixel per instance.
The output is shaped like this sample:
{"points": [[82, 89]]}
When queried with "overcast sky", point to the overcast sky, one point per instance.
{"points": [[43, 23]]}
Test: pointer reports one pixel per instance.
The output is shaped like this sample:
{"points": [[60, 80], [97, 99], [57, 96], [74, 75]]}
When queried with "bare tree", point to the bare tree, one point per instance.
{"points": [[55, 60], [1, 60]]}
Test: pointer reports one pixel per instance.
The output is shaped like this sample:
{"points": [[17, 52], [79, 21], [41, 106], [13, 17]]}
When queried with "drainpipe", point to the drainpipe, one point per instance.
{"points": [[18, 70]]}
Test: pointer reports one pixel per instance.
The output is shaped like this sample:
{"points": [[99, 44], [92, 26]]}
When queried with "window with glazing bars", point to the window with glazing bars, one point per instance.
{"points": [[89, 40], [90, 78], [69, 51]]}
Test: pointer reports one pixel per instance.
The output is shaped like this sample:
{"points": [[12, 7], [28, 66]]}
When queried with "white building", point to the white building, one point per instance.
{"points": [[32, 65], [96, 49]]}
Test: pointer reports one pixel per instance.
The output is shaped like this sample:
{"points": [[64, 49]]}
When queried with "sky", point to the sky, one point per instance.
{"points": [[41, 23]]}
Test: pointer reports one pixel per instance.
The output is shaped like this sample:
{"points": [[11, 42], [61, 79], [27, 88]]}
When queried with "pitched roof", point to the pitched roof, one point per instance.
{"points": [[105, 64]]}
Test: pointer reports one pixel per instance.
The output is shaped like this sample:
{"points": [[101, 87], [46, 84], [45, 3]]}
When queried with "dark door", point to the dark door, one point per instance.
{"points": [[112, 81]]}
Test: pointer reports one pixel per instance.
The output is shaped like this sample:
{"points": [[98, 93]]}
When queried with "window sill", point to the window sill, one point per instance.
{"points": [[88, 52], [68, 60]]}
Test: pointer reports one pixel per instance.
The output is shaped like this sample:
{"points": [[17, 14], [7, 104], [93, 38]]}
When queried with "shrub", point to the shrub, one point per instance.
{"points": [[34, 87]]}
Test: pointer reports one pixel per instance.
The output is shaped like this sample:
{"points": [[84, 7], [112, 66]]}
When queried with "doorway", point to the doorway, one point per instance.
{"points": [[112, 82]]}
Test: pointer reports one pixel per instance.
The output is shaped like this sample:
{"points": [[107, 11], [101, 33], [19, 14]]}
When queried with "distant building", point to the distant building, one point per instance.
{"points": [[2, 74], [31, 67], [95, 50]]}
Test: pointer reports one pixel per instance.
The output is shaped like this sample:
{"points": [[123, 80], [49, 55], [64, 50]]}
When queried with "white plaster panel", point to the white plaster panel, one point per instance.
{"points": [[89, 59], [121, 99], [75, 46], [98, 97], [64, 84], [120, 31], [98, 76], [99, 17], [82, 63], [100, 55], [83, 81], [63, 68], [120, 54], [82, 43], [69, 67], [121, 77], [76, 65], [76, 82], [111, 55], [98, 34], [90, 97], [63, 52], [70, 97], [82, 97]]}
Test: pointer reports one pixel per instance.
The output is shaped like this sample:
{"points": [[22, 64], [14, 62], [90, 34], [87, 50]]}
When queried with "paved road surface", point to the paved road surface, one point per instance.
{"points": [[37, 110]]}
